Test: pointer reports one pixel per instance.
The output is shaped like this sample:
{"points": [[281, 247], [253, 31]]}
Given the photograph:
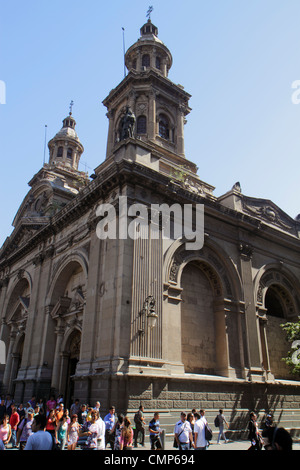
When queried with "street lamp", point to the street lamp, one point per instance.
{"points": [[148, 311]]}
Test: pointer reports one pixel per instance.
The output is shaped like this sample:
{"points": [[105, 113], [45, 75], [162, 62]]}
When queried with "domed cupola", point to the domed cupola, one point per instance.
{"points": [[65, 147], [148, 52]]}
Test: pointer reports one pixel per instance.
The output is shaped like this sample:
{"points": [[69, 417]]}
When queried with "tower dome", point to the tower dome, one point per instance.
{"points": [[65, 148], [149, 52]]}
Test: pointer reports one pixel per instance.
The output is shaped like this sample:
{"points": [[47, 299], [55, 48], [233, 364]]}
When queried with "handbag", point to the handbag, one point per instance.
{"points": [[175, 443]]}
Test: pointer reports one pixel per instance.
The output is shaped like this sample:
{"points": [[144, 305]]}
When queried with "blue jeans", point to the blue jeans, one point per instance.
{"points": [[221, 434], [13, 438], [184, 446]]}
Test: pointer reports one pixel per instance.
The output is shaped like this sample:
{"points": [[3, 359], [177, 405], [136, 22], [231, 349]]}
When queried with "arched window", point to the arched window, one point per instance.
{"points": [[273, 303], [70, 153], [164, 127], [141, 125], [157, 63], [60, 152], [146, 60]]}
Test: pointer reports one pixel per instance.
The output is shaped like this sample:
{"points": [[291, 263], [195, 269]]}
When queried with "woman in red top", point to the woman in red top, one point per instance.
{"points": [[14, 421], [50, 426]]}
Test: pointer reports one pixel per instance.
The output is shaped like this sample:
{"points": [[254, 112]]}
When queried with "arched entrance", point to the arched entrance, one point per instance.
{"points": [[13, 333], [275, 304], [67, 302], [277, 297], [72, 355], [197, 322]]}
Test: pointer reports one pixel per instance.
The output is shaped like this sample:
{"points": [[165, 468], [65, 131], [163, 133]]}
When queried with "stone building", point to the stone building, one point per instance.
{"points": [[76, 307]]}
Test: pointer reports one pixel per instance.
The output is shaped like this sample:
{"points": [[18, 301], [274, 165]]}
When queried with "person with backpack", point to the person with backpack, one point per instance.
{"points": [[24, 428], [220, 422], [139, 426], [200, 436]]}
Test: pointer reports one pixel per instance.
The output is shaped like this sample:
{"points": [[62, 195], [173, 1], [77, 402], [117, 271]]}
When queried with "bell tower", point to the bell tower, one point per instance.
{"points": [[65, 148], [147, 107]]}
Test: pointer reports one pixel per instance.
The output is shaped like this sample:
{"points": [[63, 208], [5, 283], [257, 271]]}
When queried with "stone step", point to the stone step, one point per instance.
{"points": [[289, 419]]}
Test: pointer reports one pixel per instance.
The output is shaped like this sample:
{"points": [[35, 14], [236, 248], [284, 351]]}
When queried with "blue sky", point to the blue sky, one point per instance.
{"points": [[237, 58]]}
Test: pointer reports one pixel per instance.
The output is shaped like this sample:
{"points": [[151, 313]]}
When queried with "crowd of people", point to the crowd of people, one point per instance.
{"points": [[48, 425], [40, 425]]}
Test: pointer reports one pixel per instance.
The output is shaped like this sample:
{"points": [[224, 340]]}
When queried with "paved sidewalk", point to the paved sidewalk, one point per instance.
{"points": [[230, 445]]}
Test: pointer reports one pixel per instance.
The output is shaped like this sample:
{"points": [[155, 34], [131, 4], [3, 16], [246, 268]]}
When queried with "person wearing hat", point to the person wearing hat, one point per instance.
{"points": [[24, 428]]}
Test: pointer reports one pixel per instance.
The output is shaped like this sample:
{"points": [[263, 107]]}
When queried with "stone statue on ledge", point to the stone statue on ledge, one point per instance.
{"points": [[127, 124]]}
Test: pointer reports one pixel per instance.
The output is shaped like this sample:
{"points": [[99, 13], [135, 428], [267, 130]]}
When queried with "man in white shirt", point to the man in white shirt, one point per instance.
{"points": [[199, 431], [101, 434], [183, 433], [40, 439]]}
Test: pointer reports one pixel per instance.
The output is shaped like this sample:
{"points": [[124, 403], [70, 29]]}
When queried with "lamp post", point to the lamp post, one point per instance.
{"points": [[148, 311]]}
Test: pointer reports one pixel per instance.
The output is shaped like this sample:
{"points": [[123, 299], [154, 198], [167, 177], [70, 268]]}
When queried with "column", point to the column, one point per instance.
{"points": [[151, 128], [110, 137], [57, 358], [9, 362], [221, 343], [251, 320], [180, 131]]}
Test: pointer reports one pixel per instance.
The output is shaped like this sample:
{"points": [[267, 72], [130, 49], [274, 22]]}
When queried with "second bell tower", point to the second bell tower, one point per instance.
{"points": [[151, 106]]}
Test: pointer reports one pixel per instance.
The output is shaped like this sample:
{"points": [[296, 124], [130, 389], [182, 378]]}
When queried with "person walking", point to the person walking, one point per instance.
{"points": [[110, 420], [73, 433], [50, 422], [117, 431], [61, 432], [91, 431], [25, 429], [14, 421], [222, 422], [126, 438], [199, 429], [155, 431], [254, 434], [183, 433], [139, 426], [5, 430], [101, 432], [75, 408], [40, 439]]}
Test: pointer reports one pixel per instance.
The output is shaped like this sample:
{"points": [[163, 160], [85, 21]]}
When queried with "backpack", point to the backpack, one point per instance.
{"points": [[217, 421], [137, 418], [208, 433]]}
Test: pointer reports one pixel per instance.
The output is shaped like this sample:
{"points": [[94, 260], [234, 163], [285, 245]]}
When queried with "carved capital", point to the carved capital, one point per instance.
{"points": [[246, 250]]}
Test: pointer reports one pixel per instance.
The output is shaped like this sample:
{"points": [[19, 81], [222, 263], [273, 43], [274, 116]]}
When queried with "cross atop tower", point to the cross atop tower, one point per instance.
{"points": [[71, 107], [150, 10]]}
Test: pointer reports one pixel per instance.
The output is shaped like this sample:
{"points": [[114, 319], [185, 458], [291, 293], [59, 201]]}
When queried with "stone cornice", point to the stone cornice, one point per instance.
{"points": [[132, 173]]}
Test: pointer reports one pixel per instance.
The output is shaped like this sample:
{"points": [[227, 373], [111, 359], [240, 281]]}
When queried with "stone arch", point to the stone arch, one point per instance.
{"points": [[275, 274], [62, 270], [65, 306], [220, 285], [14, 326], [214, 256], [21, 282], [277, 298]]}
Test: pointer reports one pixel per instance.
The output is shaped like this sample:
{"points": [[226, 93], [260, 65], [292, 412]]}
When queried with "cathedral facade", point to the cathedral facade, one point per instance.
{"points": [[77, 306]]}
